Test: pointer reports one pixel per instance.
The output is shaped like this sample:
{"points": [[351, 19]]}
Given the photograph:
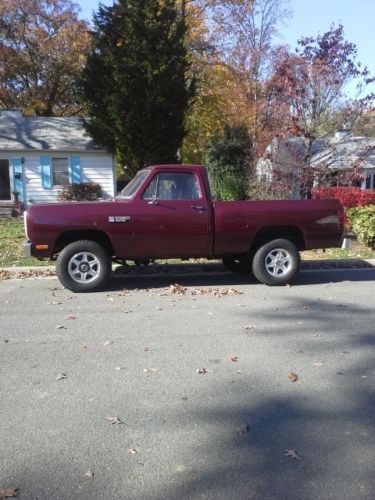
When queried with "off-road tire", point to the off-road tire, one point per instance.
{"points": [[276, 262], [97, 260]]}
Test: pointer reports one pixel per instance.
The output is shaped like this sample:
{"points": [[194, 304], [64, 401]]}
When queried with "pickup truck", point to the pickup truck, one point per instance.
{"points": [[167, 211]]}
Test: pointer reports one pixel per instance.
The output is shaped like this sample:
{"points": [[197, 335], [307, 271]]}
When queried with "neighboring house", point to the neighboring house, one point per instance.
{"points": [[340, 153], [39, 155], [344, 151]]}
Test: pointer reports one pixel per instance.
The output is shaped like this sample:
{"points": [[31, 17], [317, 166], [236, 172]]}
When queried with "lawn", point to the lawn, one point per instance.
{"points": [[12, 237]]}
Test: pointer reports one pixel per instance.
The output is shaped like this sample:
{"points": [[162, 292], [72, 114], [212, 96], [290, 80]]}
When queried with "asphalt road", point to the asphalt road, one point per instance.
{"points": [[222, 434]]}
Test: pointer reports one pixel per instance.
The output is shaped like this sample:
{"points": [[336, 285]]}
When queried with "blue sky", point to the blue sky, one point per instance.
{"points": [[312, 17]]}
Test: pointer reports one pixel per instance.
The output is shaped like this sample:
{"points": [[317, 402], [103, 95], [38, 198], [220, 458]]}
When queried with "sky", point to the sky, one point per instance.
{"points": [[309, 18]]}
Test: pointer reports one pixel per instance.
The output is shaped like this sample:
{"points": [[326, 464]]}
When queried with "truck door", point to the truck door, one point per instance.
{"points": [[172, 217]]}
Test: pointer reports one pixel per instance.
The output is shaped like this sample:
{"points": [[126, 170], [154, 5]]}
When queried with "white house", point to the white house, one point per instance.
{"points": [[339, 153], [344, 150], [39, 155]]}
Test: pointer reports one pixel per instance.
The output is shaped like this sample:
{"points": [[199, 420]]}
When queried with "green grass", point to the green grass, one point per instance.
{"points": [[12, 238]]}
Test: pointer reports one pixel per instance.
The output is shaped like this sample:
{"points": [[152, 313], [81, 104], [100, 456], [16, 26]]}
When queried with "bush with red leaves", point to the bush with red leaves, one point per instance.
{"points": [[350, 197]]}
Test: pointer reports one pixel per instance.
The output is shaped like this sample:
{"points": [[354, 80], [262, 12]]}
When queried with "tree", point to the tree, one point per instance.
{"points": [[231, 47], [135, 81], [228, 158], [42, 49], [312, 82]]}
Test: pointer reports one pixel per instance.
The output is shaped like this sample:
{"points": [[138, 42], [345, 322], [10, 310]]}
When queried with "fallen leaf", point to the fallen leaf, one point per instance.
{"points": [[71, 317], [9, 492], [244, 430], [147, 348], [203, 370], [114, 420], [151, 370], [233, 358], [108, 342], [249, 327], [292, 454], [61, 376], [132, 451], [293, 377], [60, 327], [89, 474], [85, 347], [177, 289], [318, 364]]}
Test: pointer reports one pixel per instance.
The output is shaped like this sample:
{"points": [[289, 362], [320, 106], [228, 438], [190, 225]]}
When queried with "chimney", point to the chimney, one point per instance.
{"points": [[11, 113]]}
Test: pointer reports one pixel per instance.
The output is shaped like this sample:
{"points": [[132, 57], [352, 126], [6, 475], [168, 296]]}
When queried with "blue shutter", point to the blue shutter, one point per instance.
{"points": [[18, 177], [46, 172], [75, 170]]}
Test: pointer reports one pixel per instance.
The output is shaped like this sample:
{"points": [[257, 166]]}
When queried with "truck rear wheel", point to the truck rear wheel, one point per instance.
{"points": [[83, 266], [237, 265], [276, 262]]}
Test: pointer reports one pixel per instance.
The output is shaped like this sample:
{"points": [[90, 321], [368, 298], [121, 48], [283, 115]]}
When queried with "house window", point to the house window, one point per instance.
{"points": [[60, 171]]}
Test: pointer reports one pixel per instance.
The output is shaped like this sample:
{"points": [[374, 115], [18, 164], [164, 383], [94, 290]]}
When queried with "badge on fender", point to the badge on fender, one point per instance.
{"points": [[119, 218]]}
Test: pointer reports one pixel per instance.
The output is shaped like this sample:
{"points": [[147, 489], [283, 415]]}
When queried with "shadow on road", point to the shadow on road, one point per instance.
{"points": [[214, 275]]}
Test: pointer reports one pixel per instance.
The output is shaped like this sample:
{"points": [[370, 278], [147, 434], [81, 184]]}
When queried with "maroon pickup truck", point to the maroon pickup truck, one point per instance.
{"points": [[167, 211]]}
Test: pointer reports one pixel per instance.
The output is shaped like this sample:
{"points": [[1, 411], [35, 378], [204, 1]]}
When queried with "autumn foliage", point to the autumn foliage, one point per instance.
{"points": [[349, 197]]}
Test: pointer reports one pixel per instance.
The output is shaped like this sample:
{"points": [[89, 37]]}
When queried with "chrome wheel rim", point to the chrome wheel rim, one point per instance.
{"points": [[278, 262], [84, 267]]}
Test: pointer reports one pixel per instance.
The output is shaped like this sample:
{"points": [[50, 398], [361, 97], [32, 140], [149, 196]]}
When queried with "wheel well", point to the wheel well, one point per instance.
{"points": [[292, 233], [98, 236]]}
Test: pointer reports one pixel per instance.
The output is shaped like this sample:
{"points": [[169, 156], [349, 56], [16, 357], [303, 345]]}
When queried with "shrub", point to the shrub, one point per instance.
{"points": [[228, 158], [84, 191], [363, 223], [349, 196]]}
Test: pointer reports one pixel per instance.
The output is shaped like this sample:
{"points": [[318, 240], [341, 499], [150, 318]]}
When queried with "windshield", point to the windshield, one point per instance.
{"points": [[134, 184]]}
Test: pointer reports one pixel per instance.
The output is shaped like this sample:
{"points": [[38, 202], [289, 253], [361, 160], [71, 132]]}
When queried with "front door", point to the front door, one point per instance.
{"points": [[5, 191], [172, 219]]}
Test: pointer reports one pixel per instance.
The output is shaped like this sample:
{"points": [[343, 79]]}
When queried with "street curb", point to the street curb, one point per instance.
{"points": [[188, 268]]}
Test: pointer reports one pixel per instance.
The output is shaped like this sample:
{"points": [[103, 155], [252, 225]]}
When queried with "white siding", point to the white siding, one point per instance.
{"points": [[95, 167]]}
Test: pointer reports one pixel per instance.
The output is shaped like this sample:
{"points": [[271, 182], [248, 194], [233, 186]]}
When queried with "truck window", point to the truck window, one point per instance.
{"points": [[134, 184], [173, 186]]}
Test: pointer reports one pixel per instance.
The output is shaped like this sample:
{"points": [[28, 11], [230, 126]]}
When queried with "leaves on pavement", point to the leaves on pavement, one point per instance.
{"points": [[9, 492], [244, 430], [202, 371], [233, 358], [178, 289], [292, 454], [151, 370], [249, 327], [132, 451], [61, 376], [114, 420], [293, 377], [89, 475]]}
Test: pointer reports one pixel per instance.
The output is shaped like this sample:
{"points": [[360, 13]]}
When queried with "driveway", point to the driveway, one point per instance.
{"points": [[209, 382]]}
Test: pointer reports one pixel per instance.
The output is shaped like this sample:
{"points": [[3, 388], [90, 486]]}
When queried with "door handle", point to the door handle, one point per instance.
{"points": [[198, 207]]}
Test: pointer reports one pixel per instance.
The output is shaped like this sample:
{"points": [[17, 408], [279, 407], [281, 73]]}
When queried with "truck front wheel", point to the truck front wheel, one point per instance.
{"points": [[83, 266], [276, 262]]}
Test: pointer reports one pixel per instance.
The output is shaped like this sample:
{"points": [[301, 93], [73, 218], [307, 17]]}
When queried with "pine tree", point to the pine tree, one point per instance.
{"points": [[135, 81]]}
